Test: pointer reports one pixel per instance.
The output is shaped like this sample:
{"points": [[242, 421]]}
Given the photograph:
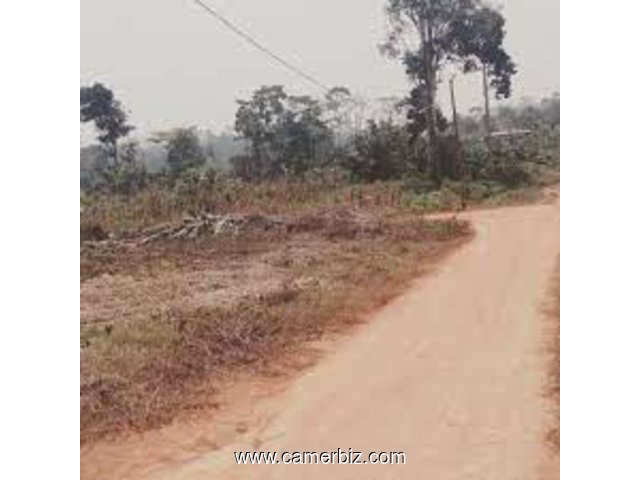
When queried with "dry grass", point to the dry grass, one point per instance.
{"points": [[163, 324], [553, 373], [154, 205], [105, 215]]}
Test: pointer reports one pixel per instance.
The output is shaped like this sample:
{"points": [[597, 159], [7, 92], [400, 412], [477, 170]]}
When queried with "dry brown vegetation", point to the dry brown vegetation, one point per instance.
{"points": [[157, 204], [553, 376], [164, 319]]}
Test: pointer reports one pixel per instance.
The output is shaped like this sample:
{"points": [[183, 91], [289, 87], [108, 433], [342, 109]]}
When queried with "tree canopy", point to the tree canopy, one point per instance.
{"points": [[184, 150], [99, 105], [286, 133], [429, 34]]}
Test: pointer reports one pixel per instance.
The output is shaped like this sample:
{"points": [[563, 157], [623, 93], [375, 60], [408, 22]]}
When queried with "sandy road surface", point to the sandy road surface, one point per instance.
{"points": [[450, 374]]}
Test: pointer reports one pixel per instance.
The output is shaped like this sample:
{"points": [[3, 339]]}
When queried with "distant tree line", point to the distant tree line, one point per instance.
{"points": [[282, 135], [285, 135]]}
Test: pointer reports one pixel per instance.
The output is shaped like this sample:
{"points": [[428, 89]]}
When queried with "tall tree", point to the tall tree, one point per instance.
{"points": [[338, 112], [184, 151], [99, 105], [429, 34], [286, 134], [307, 137], [258, 121]]}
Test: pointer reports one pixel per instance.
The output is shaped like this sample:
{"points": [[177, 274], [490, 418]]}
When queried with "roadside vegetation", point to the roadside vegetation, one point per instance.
{"points": [[311, 159], [552, 390], [206, 255]]}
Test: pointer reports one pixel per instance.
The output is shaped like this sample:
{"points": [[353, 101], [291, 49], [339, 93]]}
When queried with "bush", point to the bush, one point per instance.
{"points": [[419, 183], [444, 199], [381, 152], [92, 231], [508, 164]]}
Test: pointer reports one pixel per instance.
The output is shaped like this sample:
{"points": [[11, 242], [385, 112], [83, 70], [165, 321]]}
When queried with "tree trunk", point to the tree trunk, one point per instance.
{"points": [[454, 110], [487, 108], [114, 148], [430, 85]]}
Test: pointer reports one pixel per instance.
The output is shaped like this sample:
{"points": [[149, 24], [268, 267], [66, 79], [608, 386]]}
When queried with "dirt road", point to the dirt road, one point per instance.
{"points": [[451, 374]]}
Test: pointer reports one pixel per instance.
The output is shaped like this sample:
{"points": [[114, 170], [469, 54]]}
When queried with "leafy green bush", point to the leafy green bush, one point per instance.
{"points": [[381, 152]]}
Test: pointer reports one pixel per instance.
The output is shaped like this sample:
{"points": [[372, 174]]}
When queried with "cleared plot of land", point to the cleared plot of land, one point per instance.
{"points": [[453, 374], [167, 319]]}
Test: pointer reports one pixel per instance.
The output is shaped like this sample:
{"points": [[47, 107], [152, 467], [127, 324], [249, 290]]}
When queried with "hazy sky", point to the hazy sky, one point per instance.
{"points": [[171, 64]]}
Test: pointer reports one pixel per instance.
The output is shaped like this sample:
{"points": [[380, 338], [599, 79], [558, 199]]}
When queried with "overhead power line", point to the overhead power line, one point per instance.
{"points": [[218, 16]]}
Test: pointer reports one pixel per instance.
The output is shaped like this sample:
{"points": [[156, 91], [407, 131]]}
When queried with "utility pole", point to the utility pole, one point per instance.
{"points": [[453, 108], [487, 113], [459, 155]]}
